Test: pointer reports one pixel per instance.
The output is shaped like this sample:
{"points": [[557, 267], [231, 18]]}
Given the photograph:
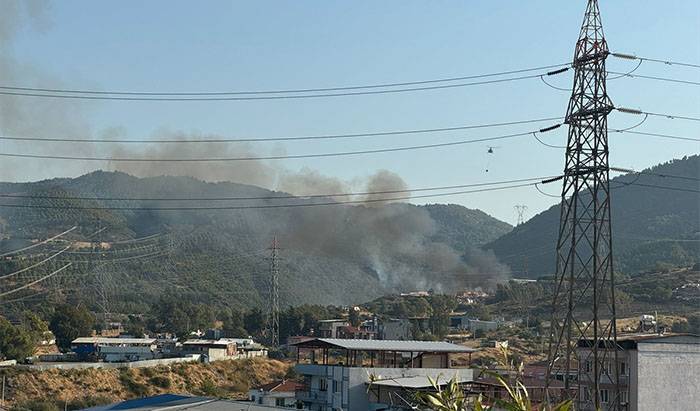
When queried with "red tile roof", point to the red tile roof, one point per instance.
{"points": [[280, 386]]}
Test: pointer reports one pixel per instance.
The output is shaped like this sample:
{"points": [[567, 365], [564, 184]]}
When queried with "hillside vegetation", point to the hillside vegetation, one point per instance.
{"points": [[75, 389], [336, 254], [652, 227]]}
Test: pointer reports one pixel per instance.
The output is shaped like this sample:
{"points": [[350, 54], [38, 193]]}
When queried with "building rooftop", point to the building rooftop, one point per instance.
{"points": [[280, 386], [385, 345], [222, 342], [419, 381], [172, 402], [113, 341], [630, 341]]}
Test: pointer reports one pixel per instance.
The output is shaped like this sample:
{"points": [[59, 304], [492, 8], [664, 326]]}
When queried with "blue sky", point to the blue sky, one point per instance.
{"points": [[226, 45]]}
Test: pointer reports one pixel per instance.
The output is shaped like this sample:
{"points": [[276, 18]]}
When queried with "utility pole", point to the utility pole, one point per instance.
{"points": [[274, 308], [583, 327], [520, 210]]}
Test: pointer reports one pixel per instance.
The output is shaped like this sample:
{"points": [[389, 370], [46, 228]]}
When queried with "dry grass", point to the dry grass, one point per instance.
{"points": [[228, 379]]}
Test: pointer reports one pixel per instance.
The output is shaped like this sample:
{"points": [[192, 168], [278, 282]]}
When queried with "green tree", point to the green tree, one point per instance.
{"points": [[694, 323], [15, 342], [441, 307], [35, 326], [69, 322], [254, 321], [354, 317]]}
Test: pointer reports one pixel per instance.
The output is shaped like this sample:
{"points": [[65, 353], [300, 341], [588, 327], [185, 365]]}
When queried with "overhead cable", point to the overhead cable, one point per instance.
{"points": [[666, 79], [39, 243], [627, 110], [282, 91], [49, 258], [291, 138], [46, 277], [267, 206], [667, 62], [276, 157], [280, 197]]}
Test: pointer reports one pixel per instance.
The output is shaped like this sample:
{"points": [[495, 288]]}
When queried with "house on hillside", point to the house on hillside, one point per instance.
{"points": [[329, 328], [224, 348], [278, 393], [349, 332]]}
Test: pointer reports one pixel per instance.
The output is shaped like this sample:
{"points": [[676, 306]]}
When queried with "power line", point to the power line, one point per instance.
{"points": [[435, 188], [668, 116], [273, 206], [294, 138], [649, 173], [278, 157], [36, 281], [667, 62], [38, 244], [51, 257], [282, 97], [666, 79], [265, 206], [283, 91], [657, 135]]}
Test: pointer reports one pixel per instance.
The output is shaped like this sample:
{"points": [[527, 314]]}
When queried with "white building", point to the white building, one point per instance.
{"points": [[360, 375], [657, 372], [224, 348], [277, 393]]}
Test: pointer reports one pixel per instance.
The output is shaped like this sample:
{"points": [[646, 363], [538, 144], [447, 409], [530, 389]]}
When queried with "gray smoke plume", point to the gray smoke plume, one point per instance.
{"points": [[391, 240]]}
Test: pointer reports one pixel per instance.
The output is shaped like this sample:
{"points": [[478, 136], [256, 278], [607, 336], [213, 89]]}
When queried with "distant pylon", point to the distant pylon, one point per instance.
{"points": [[274, 307], [583, 327], [520, 210]]}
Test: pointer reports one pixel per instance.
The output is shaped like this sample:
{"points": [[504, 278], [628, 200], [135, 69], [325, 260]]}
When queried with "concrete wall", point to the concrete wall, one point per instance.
{"points": [[133, 364], [668, 376]]}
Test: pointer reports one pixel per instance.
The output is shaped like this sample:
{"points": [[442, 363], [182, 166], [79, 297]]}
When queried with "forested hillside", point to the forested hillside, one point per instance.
{"points": [[334, 254], [653, 227]]}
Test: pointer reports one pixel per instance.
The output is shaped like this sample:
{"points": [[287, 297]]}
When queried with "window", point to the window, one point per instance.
{"points": [[323, 385], [279, 402], [604, 396], [606, 367], [623, 397], [623, 368], [336, 386], [589, 366], [586, 394]]}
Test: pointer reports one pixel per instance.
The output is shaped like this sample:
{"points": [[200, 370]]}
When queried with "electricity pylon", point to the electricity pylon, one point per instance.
{"points": [[583, 332], [274, 308], [520, 210]]}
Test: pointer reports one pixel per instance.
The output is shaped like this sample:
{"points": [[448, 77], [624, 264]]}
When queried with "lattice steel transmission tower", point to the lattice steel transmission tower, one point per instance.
{"points": [[274, 308], [520, 210], [583, 334]]}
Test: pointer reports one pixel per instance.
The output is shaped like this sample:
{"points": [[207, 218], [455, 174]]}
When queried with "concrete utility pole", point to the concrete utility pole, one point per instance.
{"points": [[274, 309], [583, 306]]}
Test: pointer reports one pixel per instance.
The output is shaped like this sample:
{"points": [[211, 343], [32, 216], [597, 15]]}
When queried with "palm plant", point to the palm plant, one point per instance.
{"points": [[453, 398]]}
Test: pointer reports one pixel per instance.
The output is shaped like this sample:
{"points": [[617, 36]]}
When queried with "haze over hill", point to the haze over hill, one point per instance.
{"points": [[331, 254], [650, 225]]}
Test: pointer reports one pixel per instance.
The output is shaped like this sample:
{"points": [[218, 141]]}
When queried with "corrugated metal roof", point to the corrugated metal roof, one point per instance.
{"points": [[108, 340], [390, 345]]}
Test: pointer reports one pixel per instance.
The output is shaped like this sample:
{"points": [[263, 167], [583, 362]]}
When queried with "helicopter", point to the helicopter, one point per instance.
{"points": [[490, 151]]}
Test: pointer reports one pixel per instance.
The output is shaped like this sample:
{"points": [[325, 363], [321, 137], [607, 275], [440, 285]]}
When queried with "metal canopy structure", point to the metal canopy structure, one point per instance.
{"points": [[583, 306]]}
